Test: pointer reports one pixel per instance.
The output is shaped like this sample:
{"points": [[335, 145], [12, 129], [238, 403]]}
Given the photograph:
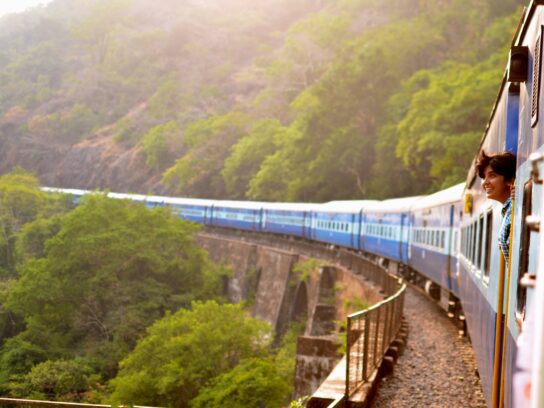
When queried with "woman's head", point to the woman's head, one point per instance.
{"points": [[498, 172]]}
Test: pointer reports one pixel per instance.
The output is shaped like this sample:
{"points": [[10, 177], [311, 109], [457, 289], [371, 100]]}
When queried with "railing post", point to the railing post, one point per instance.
{"points": [[348, 351], [365, 348], [377, 335]]}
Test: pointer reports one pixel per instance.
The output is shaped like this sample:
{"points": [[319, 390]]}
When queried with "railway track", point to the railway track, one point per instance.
{"points": [[437, 368]]}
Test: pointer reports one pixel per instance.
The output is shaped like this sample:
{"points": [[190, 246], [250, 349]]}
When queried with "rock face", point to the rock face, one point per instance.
{"points": [[98, 162]]}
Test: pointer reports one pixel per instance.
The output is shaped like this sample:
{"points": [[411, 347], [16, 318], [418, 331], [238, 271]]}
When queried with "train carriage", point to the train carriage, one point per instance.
{"points": [[339, 222], [386, 226], [287, 218], [434, 236], [245, 215], [524, 250], [192, 209]]}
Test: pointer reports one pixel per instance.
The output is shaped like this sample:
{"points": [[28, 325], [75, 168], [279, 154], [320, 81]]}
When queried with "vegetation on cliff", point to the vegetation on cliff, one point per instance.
{"points": [[277, 100]]}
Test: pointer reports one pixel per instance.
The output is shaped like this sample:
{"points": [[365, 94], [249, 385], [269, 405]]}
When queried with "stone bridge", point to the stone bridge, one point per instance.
{"points": [[290, 280]]}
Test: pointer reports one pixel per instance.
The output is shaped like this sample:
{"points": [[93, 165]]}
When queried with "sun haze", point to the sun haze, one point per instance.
{"points": [[11, 6]]}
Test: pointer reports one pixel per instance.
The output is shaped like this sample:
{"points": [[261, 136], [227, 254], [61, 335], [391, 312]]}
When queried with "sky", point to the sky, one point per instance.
{"points": [[14, 6]]}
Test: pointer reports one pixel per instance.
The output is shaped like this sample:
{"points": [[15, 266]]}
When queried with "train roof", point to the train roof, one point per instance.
{"points": [[394, 205], [72, 191], [247, 205], [290, 206], [179, 200], [450, 195], [346, 206]]}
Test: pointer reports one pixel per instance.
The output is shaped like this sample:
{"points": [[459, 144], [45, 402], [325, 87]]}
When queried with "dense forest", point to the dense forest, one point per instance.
{"points": [[113, 302], [291, 100]]}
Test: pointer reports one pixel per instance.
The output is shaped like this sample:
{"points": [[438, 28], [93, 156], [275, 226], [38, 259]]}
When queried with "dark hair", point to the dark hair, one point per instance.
{"points": [[503, 163]]}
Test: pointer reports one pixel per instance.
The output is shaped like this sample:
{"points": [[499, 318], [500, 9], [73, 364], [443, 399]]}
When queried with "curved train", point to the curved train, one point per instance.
{"points": [[447, 241]]}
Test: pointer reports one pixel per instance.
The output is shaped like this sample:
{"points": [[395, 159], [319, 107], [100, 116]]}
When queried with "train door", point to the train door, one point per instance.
{"points": [[401, 237]]}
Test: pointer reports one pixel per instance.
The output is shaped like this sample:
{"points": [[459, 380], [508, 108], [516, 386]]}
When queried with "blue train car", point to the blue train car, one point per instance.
{"points": [[339, 222], [433, 237], [525, 246], [244, 215], [287, 218], [385, 228], [481, 280]]}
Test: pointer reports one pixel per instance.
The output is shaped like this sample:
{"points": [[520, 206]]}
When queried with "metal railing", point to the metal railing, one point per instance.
{"points": [[369, 334], [15, 402]]}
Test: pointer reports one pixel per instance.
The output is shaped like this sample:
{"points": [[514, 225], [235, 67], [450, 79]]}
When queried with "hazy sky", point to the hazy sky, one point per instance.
{"points": [[14, 6]]}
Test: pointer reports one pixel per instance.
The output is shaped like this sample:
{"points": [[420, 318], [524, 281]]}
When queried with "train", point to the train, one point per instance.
{"points": [[447, 242]]}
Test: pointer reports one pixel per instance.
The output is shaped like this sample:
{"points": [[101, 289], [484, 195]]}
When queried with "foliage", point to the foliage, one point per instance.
{"points": [[299, 403], [61, 380], [188, 349], [284, 100], [160, 144], [208, 140], [21, 202], [112, 269], [252, 383]]}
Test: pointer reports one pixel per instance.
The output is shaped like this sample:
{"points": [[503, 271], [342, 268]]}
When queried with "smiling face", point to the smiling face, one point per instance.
{"points": [[496, 188]]}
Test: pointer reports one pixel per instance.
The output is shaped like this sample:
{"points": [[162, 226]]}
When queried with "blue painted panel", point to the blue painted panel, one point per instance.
{"points": [[193, 213], [285, 222], [336, 228], [383, 234], [510, 359], [481, 326], [382, 246], [247, 219], [512, 122], [432, 264]]}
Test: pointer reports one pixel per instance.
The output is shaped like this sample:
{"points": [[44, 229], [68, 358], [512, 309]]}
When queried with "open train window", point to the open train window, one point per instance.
{"points": [[480, 242], [463, 240], [524, 249], [488, 239], [469, 243], [537, 67]]}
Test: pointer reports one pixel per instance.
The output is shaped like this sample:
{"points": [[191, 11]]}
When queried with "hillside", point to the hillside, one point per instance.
{"points": [[272, 100]]}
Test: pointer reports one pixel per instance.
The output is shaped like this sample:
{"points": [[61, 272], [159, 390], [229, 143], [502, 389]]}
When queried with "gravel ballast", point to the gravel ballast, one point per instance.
{"points": [[437, 368]]}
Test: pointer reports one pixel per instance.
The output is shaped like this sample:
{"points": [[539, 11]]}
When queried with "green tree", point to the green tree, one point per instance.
{"points": [[20, 202], [112, 269], [208, 141], [248, 154], [61, 380], [251, 383], [161, 143], [185, 350]]}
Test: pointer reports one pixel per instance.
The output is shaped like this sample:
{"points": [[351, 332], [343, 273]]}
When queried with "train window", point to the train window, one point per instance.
{"points": [[442, 240], [474, 242], [469, 243], [480, 242], [524, 249], [488, 239], [537, 67], [463, 240]]}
